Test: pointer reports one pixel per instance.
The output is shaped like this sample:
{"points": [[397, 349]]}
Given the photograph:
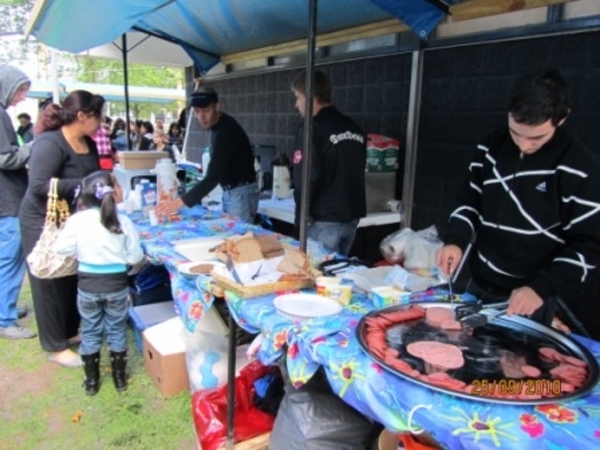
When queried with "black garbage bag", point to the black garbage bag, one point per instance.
{"points": [[314, 419]]}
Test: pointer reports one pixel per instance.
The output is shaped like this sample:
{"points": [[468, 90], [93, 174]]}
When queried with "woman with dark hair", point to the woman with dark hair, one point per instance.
{"points": [[146, 132], [118, 125], [175, 135], [105, 243], [63, 149]]}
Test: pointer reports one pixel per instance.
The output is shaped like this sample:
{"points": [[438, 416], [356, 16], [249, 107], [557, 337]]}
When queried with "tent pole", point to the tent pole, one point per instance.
{"points": [[308, 121], [189, 126], [126, 86], [412, 132], [55, 86]]}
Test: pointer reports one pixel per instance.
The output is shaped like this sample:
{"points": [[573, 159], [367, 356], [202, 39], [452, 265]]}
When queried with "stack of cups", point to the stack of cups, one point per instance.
{"points": [[334, 288]]}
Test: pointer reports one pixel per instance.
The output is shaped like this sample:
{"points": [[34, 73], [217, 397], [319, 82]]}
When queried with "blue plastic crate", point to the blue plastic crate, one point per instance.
{"points": [[145, 316]]}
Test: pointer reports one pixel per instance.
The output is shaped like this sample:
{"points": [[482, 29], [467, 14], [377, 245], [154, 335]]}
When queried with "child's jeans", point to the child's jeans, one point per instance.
{"points": [[102, 313]]}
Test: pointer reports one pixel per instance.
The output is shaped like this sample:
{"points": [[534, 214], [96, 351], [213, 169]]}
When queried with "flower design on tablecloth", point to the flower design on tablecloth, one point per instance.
{"points": [[182, 295], [196, 310], [377, 368], [357, 308], [280, 340], [293, 350], [557, 413], [482, 427], [299, 377], [346, 373], [531, 425]]}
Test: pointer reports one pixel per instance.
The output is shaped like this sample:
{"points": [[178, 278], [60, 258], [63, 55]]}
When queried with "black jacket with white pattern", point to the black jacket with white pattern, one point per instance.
{"points": [[536, 217]]}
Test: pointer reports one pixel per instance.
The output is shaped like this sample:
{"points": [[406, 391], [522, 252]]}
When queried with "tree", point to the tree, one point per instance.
{"points": [[17, 50], [102, 71], [13, 17]]}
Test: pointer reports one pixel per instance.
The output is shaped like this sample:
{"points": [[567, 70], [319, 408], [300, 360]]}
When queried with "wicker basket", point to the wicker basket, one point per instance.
{"points": [[264, 289]]}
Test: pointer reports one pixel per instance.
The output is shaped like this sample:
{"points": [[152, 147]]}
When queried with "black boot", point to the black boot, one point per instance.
{"points": [[118, 361], [91, 367]]}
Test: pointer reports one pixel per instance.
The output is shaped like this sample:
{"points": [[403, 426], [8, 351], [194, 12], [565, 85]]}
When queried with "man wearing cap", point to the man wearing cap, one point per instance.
{"points": [[231, 162]]}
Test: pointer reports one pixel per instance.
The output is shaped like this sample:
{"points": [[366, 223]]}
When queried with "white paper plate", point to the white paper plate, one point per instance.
{"points": [[305, 306], [185, 268]]}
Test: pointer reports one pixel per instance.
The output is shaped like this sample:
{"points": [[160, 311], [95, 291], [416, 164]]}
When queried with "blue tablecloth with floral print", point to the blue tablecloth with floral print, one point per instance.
{"points": [[400, 405], [190, 303]]}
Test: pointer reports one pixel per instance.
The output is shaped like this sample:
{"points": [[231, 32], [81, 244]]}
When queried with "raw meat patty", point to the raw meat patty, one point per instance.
{"points": [[437, 354], [436, 315]]}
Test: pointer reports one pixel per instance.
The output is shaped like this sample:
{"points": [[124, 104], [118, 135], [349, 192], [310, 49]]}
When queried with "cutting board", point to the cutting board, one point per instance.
{"points": [[197, 249]]}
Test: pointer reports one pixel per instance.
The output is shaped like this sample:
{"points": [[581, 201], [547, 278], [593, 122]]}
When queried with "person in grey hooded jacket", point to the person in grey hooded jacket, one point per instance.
{"points": [[14, 85]]}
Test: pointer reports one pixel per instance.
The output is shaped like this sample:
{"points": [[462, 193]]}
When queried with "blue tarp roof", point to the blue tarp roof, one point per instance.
{"points": [[208, 29]]}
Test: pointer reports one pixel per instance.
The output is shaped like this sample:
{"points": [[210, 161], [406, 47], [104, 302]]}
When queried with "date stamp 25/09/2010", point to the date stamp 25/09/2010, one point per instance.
{"points": [[509, 386]]}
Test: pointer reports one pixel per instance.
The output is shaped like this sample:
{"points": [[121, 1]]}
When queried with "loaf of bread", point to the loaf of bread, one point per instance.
{"points": [[270, 246], [294, 262], [246, 250]]}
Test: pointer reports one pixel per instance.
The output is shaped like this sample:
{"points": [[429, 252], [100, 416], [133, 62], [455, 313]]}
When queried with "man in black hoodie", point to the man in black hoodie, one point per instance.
{"points": [[337, 170], [14, 85], [531, 207]]}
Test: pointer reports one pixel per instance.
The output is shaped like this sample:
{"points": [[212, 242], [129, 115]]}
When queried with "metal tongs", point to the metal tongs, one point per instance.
{"points": [[477, 314]]}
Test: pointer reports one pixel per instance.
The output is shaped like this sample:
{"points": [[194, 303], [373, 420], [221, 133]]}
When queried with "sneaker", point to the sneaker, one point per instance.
{"points": [[22, 312], [16, 332]]}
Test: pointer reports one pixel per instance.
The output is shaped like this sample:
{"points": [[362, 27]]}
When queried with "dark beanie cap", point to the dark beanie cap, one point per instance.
{"points": [[204, 97]]}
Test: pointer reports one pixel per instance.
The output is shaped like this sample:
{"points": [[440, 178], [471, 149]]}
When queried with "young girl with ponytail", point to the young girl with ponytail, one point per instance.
{"points": [[105, 244]]}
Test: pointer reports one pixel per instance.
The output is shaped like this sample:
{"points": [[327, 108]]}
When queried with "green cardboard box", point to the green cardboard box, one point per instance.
{"points": [[382, 153]]}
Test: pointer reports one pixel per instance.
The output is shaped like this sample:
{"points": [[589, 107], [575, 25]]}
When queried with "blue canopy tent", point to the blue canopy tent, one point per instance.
{"points": [[208, 29]]}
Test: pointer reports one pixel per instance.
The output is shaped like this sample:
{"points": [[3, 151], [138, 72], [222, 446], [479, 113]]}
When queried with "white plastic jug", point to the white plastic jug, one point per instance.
{"points": [[282, 183], [135, 197], [166, 180]]}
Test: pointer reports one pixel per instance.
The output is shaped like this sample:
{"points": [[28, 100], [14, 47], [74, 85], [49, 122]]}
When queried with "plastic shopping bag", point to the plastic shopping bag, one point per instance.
{"points": [[209, 408]]}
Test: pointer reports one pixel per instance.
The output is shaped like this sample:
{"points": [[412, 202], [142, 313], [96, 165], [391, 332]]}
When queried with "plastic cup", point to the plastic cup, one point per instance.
{"points": [[129, 205], [153, 217]]}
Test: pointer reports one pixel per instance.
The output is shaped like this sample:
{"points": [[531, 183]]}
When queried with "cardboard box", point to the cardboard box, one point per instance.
{"points": [[382, 153], [145, 316], [164, 357], [141, 159], [384, 296]]}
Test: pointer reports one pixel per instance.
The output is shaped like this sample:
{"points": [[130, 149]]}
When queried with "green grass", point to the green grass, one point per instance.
{"points": [[38, 401]]}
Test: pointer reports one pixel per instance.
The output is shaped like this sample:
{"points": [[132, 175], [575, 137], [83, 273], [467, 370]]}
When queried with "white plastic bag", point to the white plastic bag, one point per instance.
{"points": [[392, 247], [415, 250]]}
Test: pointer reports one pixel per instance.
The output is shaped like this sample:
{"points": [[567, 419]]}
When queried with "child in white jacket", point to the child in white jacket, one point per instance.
{"points": [[105, 244]]}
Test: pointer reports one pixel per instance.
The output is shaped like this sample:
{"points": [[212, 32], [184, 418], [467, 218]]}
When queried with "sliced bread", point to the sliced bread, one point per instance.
{"points": [[246, 250]]}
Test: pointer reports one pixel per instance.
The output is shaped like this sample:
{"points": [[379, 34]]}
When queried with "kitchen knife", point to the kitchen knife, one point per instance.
{"points": [[231, 268]]}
